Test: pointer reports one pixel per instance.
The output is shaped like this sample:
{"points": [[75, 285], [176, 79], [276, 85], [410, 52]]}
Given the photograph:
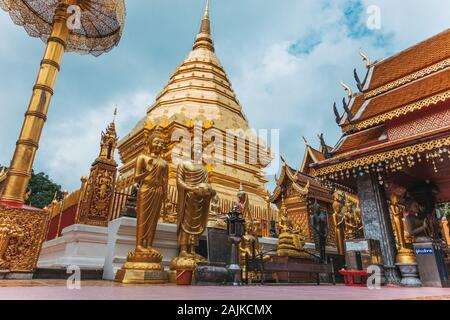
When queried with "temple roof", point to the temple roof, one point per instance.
{"points": [[415, 58], [302, 183], [402, 112], [410, 80]]}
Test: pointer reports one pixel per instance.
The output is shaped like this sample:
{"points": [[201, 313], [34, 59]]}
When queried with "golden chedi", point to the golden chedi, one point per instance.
{"points": [[194, 198], [199, 94], [151, 175], [405, 253], [290, 241]]}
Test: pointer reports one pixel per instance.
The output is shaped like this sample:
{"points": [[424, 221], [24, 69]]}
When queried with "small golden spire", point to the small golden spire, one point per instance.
{"points": [[206, 14], [204, 39], [115, 114]]}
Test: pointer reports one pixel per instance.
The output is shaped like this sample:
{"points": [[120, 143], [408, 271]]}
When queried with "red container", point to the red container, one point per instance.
{"points": [[184, 277]]}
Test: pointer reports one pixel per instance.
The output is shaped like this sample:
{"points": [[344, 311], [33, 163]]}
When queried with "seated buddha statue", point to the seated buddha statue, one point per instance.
{"points": [[290, 241]]}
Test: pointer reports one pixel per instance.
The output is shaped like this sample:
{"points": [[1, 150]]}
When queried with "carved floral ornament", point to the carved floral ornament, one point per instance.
{"points": [[433, 152]]}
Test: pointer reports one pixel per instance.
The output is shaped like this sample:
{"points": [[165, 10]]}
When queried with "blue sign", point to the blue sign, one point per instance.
{"points": [[424, 250]]}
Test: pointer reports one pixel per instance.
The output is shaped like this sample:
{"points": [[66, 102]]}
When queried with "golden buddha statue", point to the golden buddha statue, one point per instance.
{"points": [[290, 241], [352, 229], [339, 223], [151, 175], [359, 222], [405, 252], [250, 240], [216, 219], [194, 198]]}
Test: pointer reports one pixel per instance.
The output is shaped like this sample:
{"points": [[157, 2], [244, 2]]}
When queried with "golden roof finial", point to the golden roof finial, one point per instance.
{"points": [[365, 58], [204, 39], [206, 15], [347, 89]]}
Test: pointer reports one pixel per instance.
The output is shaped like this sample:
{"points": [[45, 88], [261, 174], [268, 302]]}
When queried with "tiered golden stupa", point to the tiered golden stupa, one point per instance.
{"points": [[199, 95]]}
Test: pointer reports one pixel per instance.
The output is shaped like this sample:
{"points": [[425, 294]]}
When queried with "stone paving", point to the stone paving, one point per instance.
{"points": [[107, 290]]}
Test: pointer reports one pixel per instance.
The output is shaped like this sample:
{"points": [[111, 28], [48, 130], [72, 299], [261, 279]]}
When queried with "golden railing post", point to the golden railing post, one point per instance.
{"points": [[61, 211], [19, 172]]}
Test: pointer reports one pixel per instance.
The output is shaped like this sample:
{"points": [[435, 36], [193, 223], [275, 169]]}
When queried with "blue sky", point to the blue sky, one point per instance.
{"points": [[284, 58]]}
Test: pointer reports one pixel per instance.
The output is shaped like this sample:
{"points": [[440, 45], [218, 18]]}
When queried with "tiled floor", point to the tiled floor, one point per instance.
{"points": [[106, 290]]}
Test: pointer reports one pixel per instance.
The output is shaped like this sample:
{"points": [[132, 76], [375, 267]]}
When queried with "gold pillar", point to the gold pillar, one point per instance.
{"points": [[19, 172]]}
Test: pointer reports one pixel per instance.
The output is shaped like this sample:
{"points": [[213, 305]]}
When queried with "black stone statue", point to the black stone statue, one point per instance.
{"points": [[319, 223]]}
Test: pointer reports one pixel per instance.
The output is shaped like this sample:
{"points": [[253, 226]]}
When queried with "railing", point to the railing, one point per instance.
{"points": [[119, 201]]}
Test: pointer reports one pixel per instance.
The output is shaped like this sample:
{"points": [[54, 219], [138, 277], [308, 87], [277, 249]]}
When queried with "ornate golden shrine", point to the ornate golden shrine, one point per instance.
{"points": [[92, 204], [298, 190], [98, 192]]}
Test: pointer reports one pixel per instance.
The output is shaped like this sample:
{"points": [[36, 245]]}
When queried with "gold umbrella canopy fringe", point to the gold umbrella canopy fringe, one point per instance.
{"points": [[99, 30]]}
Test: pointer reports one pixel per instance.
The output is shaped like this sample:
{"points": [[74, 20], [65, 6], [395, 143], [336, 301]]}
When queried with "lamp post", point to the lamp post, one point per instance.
{"points": [[235, 228]]}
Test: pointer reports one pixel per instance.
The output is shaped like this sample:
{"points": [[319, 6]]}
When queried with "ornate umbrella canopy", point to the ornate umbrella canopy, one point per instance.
{"points": [[101, 26]]}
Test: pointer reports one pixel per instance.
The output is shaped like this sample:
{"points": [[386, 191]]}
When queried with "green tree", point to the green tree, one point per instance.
{"points": [[42, 190]]}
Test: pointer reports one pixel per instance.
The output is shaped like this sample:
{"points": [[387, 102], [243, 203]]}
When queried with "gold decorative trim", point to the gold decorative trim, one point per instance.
{"points": [[22, 232], [43, 88], [411, 77], [36, 114], [51, 63], [57, 40], [377, 158], [441, 97]]}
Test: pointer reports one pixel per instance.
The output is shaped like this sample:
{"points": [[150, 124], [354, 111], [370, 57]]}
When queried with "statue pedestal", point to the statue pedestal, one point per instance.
{"points": [[410, 275], [80, 245], [122, 240], [432, 268], [22, 232], [209, 274]]}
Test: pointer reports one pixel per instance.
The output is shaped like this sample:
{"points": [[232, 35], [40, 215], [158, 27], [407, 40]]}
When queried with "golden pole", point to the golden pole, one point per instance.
{"points": [[19, 172]]}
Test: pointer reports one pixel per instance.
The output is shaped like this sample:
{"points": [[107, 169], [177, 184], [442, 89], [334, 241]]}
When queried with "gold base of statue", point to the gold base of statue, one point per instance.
{"points": [[142, 268], [406, 256], [183, 263], [290, 245], [22, 232], [290, 253]]}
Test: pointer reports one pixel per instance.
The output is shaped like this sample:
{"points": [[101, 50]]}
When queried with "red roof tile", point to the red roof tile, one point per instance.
{"points": [[411, 60]]}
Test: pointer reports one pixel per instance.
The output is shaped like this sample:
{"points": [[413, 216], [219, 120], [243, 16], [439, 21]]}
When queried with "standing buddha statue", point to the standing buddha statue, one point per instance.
{"points": [[194, 198], [339, 223], [351, 225], [249, 244], [151, 176], [405, 252]]}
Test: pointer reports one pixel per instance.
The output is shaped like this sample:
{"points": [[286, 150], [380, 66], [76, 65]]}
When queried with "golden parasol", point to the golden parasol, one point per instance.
{"points": [[83, 26]]}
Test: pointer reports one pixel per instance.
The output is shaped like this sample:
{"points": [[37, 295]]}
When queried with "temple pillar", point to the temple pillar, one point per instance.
{"points": [[377, 222]]}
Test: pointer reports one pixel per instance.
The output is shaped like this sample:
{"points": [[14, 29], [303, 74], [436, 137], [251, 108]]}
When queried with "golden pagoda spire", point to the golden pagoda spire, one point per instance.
{"points": [[204, 38]]}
